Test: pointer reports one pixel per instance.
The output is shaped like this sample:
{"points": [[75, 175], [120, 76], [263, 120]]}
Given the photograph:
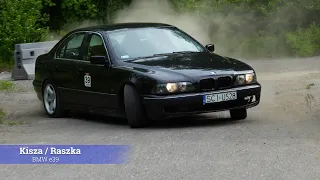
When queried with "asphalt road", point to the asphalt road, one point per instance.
{"points": [[279, 139]]}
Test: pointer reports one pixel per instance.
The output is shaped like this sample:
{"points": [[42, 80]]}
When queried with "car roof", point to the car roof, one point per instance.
{"points": [[116, 26]]}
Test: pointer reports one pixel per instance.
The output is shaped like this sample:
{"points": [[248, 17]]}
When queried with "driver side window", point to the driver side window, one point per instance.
{"points": [[72, 48], [96, 47]]}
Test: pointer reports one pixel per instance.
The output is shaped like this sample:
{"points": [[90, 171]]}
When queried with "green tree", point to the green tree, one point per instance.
{"points": [[21, 21], [100, 10], [78, 10]]}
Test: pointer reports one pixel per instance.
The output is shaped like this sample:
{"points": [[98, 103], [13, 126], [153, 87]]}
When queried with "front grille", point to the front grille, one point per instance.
{"points": [[210, 84], [224, 82], [207, 84]]}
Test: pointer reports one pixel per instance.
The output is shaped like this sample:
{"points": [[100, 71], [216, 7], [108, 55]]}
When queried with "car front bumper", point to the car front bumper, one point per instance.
{"points": [[162, 107]]}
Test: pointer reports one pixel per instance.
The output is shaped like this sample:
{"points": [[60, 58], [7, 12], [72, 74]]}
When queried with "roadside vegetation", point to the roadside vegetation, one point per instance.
{"points": [[251, 28], [2, 115], [310, 85], [6, 85], [8, 122]]}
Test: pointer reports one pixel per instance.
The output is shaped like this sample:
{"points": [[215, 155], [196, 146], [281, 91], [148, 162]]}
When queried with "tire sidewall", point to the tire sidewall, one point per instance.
{"points": [[57, 111], [135, 112]]}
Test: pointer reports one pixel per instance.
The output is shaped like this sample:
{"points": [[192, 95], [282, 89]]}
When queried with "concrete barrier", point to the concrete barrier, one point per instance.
{"points": [[25, 56]]}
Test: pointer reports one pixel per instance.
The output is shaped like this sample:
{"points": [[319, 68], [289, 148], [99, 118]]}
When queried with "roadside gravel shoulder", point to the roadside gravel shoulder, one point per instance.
{"points": [[21, 102]]}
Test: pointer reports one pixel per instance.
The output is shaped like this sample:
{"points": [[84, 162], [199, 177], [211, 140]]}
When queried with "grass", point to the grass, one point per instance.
{"points": [[10, 123], [6, 85], [2, 115], [310, 85], [305, 42], [5, 66], [14, 123]]}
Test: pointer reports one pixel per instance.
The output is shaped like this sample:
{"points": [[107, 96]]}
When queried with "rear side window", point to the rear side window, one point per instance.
{"points": [[71, 49]]}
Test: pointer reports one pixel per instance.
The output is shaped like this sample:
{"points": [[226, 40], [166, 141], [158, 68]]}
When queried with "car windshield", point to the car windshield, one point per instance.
{"points": [[147, 42]]}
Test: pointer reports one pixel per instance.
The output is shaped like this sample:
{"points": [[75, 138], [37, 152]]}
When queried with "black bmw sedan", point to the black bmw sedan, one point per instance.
{"points": [[142, 72]]}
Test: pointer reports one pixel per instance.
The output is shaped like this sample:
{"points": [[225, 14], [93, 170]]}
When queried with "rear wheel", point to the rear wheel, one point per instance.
{"points": [[134, 109], [51, 100], [238, 114]]}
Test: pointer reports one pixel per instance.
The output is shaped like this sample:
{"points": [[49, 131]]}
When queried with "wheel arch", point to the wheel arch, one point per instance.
{"points": [[44, 81], [137, 80]]}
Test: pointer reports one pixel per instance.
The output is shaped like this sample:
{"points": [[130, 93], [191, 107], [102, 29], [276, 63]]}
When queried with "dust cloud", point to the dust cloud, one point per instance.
{"points": [[207, 27], [76, 25], [160, 11], [54, 36], [228, 30], [204, 24], [163, 12]]}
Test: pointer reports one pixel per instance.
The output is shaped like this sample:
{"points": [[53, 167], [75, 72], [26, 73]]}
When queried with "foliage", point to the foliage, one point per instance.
{"points": [[14, 123], [21, 21], [80, 10], [257, 46], [2, 115], [4, 65], [305, 42], [6, 85], [75, 10]]}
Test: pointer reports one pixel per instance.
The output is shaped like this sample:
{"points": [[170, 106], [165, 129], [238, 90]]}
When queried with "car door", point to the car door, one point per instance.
{"points": [[65, 70], [95, 80]]}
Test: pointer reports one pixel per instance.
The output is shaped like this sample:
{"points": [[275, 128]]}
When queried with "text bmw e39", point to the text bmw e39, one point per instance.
{"points": [[142, 72]]}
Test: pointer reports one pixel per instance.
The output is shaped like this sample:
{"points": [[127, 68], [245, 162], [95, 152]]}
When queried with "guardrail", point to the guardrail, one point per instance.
{"points": [[25, 56]]}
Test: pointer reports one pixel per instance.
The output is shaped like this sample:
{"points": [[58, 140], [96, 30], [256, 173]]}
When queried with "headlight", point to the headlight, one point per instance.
{"points": [[245, 79], [173, 88], [250, 78]]}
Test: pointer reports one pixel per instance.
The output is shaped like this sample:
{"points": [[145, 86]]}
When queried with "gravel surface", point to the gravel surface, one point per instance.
{"points": [[279, 139]]}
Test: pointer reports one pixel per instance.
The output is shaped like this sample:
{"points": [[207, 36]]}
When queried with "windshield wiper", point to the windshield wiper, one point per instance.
{"points": [[177, 52], [144, 57], [184, 52]]}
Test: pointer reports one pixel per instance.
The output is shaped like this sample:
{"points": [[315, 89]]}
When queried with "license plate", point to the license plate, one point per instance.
{"points": [[219, 97]]}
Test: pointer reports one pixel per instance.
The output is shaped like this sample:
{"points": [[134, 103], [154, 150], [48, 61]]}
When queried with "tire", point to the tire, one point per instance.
{"points": [[238, 114], [134, 109], [51, 100]]}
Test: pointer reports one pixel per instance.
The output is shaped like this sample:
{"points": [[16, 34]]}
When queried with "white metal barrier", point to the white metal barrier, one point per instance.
{"points": [[25, 56]]}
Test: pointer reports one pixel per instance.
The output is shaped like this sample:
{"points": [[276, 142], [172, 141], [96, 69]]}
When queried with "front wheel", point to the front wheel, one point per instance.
{"points": [[238, 114], [134, 109], [51, 100]]}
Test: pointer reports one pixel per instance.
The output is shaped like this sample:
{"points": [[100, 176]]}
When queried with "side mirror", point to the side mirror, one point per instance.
{"points": [[99, 60], [210, 47]]}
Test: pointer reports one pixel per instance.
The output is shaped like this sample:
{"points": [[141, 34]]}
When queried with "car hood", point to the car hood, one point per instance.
{"points": [[191, 65]]}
